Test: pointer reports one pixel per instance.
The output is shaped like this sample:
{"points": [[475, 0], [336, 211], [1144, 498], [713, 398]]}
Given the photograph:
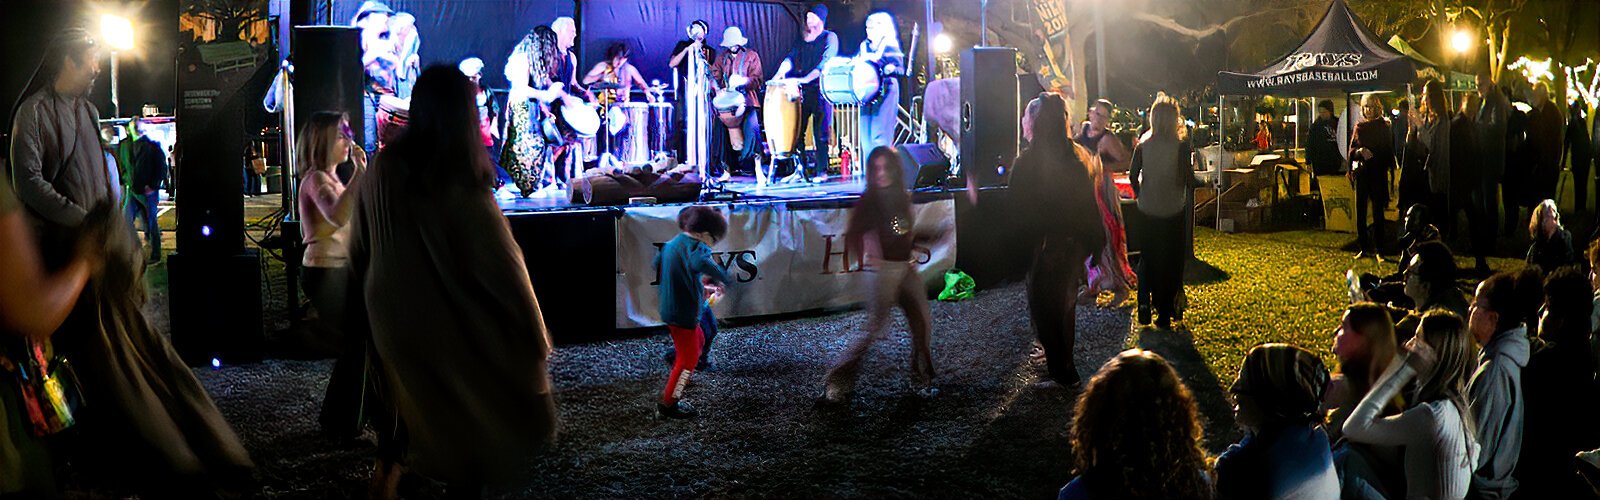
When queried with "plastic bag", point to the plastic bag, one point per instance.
{"points": [[957, 286]]}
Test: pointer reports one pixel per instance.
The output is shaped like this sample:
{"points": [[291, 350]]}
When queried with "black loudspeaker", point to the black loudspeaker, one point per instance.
{"points": [[216, 313], [988, 113], [924, 165], [327, 74]]}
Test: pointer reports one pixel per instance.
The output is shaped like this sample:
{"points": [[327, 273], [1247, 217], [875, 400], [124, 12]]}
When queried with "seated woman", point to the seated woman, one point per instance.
{"points": [[1144, 447], [1552, 244], [1437, 431], [1363, 344], [1284, 453]]}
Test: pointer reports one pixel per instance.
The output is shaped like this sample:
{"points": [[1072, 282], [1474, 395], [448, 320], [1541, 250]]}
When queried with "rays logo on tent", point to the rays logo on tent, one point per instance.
{"points": [[1303, 60]]}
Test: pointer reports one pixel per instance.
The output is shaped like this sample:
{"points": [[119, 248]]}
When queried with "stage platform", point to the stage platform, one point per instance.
{"points": [[736, 190]]}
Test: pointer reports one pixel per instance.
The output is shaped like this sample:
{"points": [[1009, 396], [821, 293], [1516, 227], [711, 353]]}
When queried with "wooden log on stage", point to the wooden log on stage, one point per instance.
{"points": [[614, 186]]}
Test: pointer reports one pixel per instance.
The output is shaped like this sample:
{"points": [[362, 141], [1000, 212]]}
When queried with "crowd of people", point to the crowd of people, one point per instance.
{"points": [[1435, 395]]}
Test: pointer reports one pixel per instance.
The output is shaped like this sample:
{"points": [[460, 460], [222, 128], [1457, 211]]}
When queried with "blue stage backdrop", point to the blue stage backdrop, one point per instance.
{"points": [[455, 29]]}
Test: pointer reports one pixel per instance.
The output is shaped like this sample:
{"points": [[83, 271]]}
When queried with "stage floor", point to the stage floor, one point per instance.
{"points": [[738, 189]]}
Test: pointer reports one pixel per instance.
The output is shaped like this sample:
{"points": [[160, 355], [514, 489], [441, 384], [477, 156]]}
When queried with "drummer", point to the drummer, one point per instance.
{"points": [[738, 61], [379, 62], [804, 67], [881, 49], [615, 70]]}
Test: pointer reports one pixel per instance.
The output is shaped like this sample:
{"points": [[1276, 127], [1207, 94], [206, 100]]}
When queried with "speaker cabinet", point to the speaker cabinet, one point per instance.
{"points": [[924, 165], [327, 74], [216, 307], [988, 113]]}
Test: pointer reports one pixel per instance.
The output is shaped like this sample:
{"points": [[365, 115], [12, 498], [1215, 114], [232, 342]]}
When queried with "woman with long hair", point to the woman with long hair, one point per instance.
{"points": [[1051, 178], [1552, 243], [1433, 138], [151, 425], [881, 226], [325, 205], [1441, 448], [1137, 434], [1162, 176], [461, 343], [1363, 345], [881, 49], [532, 72]]}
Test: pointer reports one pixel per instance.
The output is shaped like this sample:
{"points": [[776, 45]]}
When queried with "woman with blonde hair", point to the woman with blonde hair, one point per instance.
{"points": [[1552, 244], [325, 205], [1163, 178], [1441, 447]]}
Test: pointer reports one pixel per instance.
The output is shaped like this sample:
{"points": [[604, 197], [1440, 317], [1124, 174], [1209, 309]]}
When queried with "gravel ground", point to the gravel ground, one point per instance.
{"points": [[988, 434]]}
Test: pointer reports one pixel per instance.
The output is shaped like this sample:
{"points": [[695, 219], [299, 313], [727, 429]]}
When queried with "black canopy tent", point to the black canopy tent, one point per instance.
{"points": [[1340, 55]]}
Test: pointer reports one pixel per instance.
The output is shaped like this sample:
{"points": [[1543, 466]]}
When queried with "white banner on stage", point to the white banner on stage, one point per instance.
{"points": [[780, 259]]}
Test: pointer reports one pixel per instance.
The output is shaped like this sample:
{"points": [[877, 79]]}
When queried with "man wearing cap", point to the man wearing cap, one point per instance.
{"points": [[804, 66], [379, 60], [682, 56], [739, 68], [488, 114]]}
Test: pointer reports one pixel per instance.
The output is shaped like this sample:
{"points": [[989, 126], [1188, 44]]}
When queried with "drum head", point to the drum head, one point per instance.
{"points": [[616, 120], [581, 117], [727, 100]]}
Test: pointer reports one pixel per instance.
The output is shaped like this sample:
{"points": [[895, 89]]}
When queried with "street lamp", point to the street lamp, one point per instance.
{"points": [[1461, 41], [942, 44], [117, 31]]}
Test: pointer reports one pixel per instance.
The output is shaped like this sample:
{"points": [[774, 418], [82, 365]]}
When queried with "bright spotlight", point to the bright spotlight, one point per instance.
{"points": [[117, 32], [942, 44], [1461, 41]]}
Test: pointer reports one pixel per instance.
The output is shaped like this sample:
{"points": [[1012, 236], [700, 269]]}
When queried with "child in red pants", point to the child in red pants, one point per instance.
{"points": [[682, 263]]}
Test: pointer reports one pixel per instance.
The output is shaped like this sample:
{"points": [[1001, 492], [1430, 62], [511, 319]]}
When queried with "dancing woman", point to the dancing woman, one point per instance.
{"points": [[1049, 179], [880, 226]]}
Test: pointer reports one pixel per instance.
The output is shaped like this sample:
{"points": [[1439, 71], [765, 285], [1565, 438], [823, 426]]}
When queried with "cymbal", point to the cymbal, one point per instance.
{"points": [[605, 86]]}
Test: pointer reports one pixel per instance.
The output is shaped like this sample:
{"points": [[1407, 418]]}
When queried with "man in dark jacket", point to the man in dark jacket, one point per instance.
{"points": [[1468, 190], [1514, 182], [1578, 153], [147, 168], [1545, 131], [1323, 150], [1491, 122]]}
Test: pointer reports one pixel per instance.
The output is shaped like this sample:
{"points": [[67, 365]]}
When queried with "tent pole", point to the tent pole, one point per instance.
{"points": [[1216, 183]]}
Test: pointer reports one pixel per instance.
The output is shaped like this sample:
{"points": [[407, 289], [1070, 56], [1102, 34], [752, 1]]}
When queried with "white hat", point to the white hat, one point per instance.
{"points": [[733, 37], [471, 66]]}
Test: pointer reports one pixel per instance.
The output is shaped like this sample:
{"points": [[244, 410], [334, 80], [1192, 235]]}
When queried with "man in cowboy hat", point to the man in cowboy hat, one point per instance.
{"points": [[738, 69]]}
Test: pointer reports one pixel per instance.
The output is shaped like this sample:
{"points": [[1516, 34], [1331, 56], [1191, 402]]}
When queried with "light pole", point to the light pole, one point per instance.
{"points": [[118, 34]]}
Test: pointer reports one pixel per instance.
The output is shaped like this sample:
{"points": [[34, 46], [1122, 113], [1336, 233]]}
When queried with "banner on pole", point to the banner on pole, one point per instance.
{"points": [[1055, 64], [779, 259]]}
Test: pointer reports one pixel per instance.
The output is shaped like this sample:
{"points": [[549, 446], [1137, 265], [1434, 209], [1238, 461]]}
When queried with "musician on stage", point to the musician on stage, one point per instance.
{"points": [[690, 63], [616, 70], [738, 69], [804, 66], [488, 114], [567, 66], [531, 138], [881, 49], [379, 61]]}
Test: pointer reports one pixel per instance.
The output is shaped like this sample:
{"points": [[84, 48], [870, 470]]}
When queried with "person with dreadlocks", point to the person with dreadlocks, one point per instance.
{"points": [[529, 149], [1284, 453], [151, 425]]}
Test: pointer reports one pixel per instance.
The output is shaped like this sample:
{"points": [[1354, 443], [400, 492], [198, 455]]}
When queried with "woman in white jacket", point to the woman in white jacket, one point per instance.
{"points": [[1436, 430]]}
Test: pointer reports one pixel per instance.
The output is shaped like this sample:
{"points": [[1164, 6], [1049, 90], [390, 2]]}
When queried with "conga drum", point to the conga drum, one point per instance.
{"points": [[633, 141], [393, 115], [660, 127], [730, 111], [781, 117]]}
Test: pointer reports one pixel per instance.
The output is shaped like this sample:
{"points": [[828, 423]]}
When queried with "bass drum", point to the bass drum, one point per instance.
{"points": [[781, 118], [847, 82]]}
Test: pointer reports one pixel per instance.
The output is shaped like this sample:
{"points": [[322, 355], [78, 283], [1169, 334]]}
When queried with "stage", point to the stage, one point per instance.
{"points": [[739, 188]]}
